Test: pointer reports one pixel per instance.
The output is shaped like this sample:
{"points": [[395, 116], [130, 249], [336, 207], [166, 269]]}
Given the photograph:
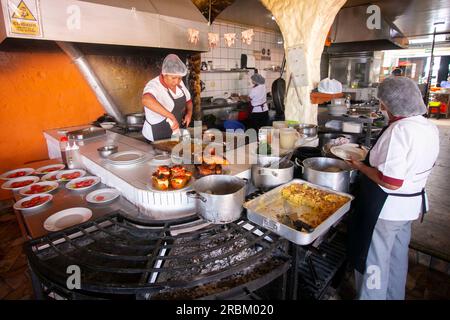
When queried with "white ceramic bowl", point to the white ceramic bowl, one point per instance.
{"points": [[107, 125]]}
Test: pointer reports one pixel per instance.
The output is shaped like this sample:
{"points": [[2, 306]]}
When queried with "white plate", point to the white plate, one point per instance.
{"points": [[71, 185], [27, 172], [8, 184], [347, 151], [26, 189], [67, 218], [49, 175], [18, 204], [60, 174], [126, 157], [108, 194], [44, 170]]}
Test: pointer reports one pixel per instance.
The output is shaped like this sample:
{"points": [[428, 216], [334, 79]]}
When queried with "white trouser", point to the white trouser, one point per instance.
{"points": [[387, 262]]}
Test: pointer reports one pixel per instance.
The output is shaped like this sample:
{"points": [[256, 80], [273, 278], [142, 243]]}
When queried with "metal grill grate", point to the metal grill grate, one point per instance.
{"points": [[119, 257]]}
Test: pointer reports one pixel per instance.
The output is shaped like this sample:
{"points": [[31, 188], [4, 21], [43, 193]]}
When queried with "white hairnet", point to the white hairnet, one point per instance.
{"points": [[401, 96], [174, 66], [330, 86], [258, 79]]}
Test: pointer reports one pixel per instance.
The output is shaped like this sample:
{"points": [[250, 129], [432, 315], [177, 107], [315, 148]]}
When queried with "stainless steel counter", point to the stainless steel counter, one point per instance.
{"points": [[134, 181]]}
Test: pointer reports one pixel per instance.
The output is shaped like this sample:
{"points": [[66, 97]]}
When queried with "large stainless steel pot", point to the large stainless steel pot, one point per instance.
{"points": [[309, 130], [219, 197], [327, 172], [135, 118], [271, 177]]}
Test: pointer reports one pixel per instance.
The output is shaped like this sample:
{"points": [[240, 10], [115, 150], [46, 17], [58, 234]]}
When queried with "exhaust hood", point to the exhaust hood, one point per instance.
{"points": [[350, 33], [143, 23]]}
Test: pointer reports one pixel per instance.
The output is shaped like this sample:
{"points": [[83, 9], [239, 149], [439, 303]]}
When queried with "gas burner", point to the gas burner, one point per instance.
{"points": [[161, 260]]}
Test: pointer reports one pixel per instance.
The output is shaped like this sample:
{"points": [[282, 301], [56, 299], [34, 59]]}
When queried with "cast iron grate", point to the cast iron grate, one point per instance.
{"points": [[121, 259]]}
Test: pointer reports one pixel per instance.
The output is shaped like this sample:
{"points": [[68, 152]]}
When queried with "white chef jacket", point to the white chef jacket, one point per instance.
{"points": [[158, 89], [257, 97], [405, 154]]}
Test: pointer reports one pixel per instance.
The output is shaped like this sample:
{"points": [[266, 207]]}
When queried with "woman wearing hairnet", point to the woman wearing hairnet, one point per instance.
{"points": [[259, 110], [390, 194], [167, 101]]}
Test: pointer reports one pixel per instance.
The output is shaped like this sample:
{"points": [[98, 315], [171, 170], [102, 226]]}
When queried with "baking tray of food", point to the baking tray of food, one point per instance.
{"points": [[299, 211]]}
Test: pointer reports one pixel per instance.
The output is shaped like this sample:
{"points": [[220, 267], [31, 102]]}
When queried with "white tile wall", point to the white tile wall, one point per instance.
{"points": [[222, 84]]}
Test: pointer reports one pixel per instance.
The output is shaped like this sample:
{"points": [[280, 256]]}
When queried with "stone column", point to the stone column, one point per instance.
{"points": [[304, 23]]}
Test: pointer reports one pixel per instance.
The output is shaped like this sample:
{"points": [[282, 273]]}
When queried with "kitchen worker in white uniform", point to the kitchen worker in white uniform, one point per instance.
{"points": [[167, 102], [259, 113], [391, 192]]}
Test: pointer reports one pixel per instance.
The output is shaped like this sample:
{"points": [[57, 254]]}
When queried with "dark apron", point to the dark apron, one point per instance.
{"points": [[369, 201], [162, 130]]}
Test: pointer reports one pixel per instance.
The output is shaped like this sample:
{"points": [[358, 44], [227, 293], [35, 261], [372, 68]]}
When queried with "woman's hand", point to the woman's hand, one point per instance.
{"points": [[174, 125], [354, 164], [187, 119]]}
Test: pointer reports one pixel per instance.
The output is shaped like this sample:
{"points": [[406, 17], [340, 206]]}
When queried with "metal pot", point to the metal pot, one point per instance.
{"points": [[268, 177], [135, 118], [309, 130], [317, 171], [220, 197]]}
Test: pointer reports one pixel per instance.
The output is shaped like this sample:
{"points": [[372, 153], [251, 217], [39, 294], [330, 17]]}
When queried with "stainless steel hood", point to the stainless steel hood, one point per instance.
{"points": [[350, 33], [143, 23]]}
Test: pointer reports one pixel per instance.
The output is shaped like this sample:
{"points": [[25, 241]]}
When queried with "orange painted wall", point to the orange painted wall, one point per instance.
{"points": [[39, 89]]}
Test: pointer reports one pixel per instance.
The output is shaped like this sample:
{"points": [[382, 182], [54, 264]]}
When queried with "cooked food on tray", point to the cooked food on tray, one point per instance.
{"points": [[17, 174], [167, 178], [82, 184], [314, 205]]}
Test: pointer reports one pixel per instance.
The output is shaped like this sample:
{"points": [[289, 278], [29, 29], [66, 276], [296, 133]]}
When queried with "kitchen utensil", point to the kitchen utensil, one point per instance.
{"points": [[326, 172], [219, 197], [67, 218], [16, 173], [271, 177], [135, 118], [102, 196], [324, 138], [19, 204], [50, 168], [73, 183], [263, 211], [107, 125], [126, 157], [297, 223], [308, 130], [9, 185], [349, 151], [60, 176], [288, 138], [107, 150], [28, 190]]}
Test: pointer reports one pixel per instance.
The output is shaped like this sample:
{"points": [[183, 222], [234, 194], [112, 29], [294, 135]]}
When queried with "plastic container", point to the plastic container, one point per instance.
{"points": [[352, 127]]}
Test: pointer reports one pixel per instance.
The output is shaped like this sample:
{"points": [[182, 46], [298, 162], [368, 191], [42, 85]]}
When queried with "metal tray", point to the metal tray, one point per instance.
{"points": [[262, 217], [86, 133]]}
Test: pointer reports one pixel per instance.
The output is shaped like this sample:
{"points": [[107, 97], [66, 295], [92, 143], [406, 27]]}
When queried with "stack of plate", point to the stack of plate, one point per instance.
{"points": [[126, 158]]}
